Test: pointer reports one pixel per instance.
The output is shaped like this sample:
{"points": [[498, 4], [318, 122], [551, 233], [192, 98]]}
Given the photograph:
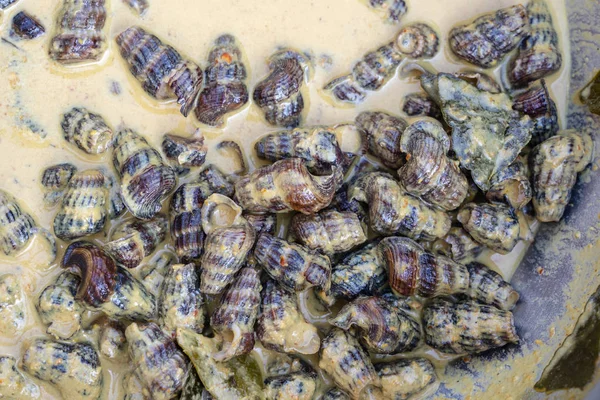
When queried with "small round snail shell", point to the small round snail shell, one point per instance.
{"points": [[417, 41]]}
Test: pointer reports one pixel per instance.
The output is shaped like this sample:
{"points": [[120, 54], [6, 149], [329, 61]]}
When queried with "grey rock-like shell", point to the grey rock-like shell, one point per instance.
{"points": [[493, 225], [158, 363], [55, 180], [26, 26], [406, 378], [292, 265], [346, 362], [467, 327], [429, 173], [13, 306], [79, 32], [392, 210], [59, 309], [236, 314], [184, 153], [391, 10], [133, 240], [226, 91], [285, 186], [181, 305], [145, 178], [330, 231], [414, 271], [380, 325], [15, 384], [457, 245], [72, 368], [538, 104], [162, 71], [87, 130], [511, 185], [281, 326], [488, 287], [279, 94], [299, 385], [83, 210], [538, 55], [554, 165], [486, 40], [384, 132]]}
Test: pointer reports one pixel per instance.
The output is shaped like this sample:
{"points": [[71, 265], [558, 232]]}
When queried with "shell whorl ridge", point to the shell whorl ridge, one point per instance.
{"points": [[384, 133], [493, 225], [15, 225]]}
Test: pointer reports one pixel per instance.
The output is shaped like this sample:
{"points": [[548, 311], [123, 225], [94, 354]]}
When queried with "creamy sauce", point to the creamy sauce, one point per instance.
{"points": [[335, 33]]}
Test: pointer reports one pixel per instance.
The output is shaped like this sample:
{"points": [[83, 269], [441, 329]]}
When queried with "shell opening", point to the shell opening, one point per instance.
{"points": [[219, 211]]}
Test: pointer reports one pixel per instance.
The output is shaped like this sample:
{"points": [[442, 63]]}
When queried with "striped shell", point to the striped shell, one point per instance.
{"points": [[538, 104], [215, 181], [294, 266], [162, 71], [406, 378], [381, 326], [555, 164], [83, 210], [486, 40], [153, 272], [421, 105], [26, 26], [384, 132], [417, 41], [299, 385], [180, 304], [488, 287], [72, 368], [13, 306], [511, 185], [279, 93], [116, 208], [138, 6], [134, 240], [87, 130], [59, 309], [158, 363], [184, 152], [145, 178], [344, 360], [394, 211], [414, 271], [225, 252], [493, 225], [15, 384], [467, 327], [236, 314], [226, 91], [457, 245], [391, 10], [79, 32], [285, 186], [429, 172], [262, 222], [330, 232], [538, 55], [281, 326], [55, 180]]}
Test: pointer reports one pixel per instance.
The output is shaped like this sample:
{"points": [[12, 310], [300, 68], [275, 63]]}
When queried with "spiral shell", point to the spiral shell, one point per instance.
{"points": [[511, 185], [414, 271], [317, 146], [467, 327], [72, 368], [285, 186], [281, 326], [186, 222], [457, 245], [145, 179], [13, 306], [87, 130], [225, 90], [428, 171], [393, 211], [158, 363], [219, 211], [488, 287], [279, 94], [421, 105], [162, 71], [346, 362], [55, 180], [555, 164], [538, 104], [134, 240], [138, 6], [292, 265], [236, 314], [381, 326], [26, 26], [391, 10], [328, 231], [299, 385], [153, 272], [384, 132], [80, 37], [486, 40], [493, 225], [262, 222], [417, 41], [538, 54], [406, 378], [183, 153], [59, 309], [225, 251], [181, 305], [15, 384]]}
